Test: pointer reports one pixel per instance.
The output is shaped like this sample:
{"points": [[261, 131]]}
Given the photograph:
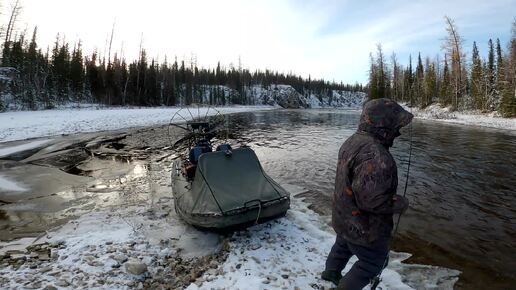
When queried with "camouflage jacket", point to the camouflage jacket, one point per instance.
{"points": [[367, 178]]}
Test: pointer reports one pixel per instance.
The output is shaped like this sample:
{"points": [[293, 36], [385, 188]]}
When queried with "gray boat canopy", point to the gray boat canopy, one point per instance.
{"points": [[229, 184]]}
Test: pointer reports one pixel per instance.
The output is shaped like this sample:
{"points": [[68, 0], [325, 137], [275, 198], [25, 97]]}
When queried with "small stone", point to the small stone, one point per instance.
{"points": [[55, 273], [256, 260], [62, 283], [45, 269], [49, 287], [135, 267], [54, 255], [284, 276], [214, 264], [31, 286], [120, 258]]}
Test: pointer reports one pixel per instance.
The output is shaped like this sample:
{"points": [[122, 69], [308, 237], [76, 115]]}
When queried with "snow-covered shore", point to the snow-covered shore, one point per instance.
{"points": [[20, 125], [435, 112], [138, 246]]}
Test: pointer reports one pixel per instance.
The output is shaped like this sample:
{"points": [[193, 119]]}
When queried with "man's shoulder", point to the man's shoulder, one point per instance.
{"points": [[365, 147]]}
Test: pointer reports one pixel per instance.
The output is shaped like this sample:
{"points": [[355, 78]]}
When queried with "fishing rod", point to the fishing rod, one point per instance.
{"points": [[376, 280]]}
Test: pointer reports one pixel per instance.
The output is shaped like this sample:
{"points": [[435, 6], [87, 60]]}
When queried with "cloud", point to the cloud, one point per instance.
{"points": [[330, 39]]}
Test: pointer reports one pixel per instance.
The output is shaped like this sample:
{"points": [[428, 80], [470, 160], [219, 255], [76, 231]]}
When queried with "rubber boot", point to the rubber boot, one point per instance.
{"points": [[332, 276]]}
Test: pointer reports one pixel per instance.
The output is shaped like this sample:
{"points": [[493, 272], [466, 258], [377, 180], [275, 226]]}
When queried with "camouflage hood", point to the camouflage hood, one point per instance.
{"points": [[383, 118]]}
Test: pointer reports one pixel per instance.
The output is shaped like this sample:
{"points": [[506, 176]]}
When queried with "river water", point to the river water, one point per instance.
{"points": [[461, 187]]}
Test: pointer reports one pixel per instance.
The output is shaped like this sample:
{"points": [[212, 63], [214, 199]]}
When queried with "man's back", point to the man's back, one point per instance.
{"points": [[363, 194]]}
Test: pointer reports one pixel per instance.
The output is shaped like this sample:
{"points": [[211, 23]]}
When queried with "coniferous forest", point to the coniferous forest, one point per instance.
{"points": [[45, 77], [454, 80]]}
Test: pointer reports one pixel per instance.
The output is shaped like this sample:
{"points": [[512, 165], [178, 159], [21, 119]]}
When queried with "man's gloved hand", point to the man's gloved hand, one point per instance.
{"points": [[399, 204]]}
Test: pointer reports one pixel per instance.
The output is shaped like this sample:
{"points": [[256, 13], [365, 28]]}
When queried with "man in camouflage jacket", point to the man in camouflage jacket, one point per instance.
{"points": [[365, 197]]}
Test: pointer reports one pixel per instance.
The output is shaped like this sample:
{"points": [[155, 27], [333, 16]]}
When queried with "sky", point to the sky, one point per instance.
{"points": [[327, 39]]}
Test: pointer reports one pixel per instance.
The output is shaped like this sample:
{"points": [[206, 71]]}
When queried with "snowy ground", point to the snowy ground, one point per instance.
{"points": [[31, 124], [290, 253], [105, 249], [437, 113]]}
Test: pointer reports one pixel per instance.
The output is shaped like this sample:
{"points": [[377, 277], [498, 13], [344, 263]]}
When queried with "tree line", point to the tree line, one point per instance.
{"points": [[63, 73], [452, 81]]}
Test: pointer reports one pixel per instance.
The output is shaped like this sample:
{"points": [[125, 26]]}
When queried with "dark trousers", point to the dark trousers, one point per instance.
{"points": [[371, 260]]}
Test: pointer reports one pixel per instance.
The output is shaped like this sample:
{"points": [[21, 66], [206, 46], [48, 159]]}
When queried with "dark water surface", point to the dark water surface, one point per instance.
{"points": [[462, 185]]}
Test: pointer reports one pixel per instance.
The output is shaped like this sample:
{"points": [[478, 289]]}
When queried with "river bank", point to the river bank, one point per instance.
{"points": [[435, 112]]}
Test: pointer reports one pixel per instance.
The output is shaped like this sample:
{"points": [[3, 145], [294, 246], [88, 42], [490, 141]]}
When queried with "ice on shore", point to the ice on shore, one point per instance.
{"points": [[10, 185], [31, 124], [9, 150]]}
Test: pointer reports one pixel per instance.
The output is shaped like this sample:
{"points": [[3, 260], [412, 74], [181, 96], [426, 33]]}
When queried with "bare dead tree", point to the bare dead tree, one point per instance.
{"points": [[111, 42], [138, 66], [396, 78], [453, 49], [15, 12]]}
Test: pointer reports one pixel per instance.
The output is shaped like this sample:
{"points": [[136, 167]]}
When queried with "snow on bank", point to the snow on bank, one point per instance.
{"points": [[437, 113], [339, 99], [117, 249], [290, 253], [288, 97], [100, 250], [31, 124]]}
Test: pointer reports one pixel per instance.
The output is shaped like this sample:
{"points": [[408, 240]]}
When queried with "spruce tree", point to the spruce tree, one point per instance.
{"points": [[499, 73], [419, 84], [77, 71], [491, 74], [445, 89], [476, 79], [508, 101], [430, 82]]}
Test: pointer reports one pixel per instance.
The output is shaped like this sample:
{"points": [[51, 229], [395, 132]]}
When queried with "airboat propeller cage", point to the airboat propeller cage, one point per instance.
{"points": [[229, 190], [198, 125]]}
